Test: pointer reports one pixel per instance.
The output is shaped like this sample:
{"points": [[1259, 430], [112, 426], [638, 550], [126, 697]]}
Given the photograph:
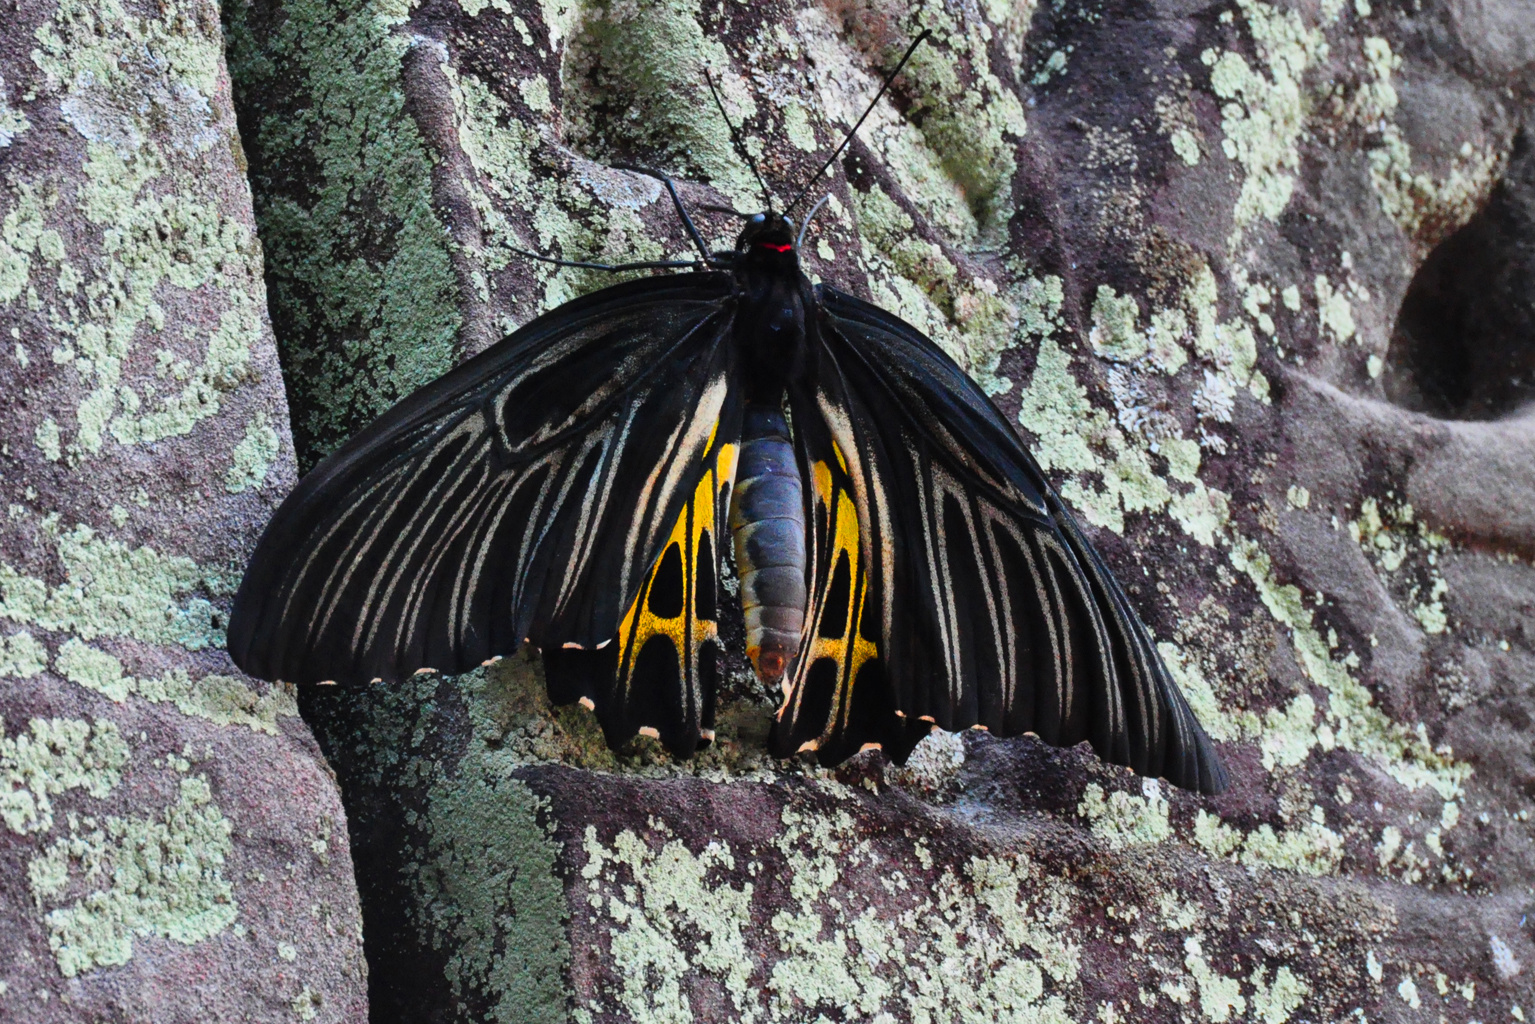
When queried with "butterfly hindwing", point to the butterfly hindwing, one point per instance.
{"points": [[837, 698], [659, 672], [525, 494], [995, 611]]}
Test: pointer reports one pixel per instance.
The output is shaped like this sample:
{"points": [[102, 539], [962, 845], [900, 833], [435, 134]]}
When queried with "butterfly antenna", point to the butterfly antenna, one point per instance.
{"points": [[867, 111], [735, 139], [798, 242]]}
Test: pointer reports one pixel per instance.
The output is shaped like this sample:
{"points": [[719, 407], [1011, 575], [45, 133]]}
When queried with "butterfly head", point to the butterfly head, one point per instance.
{"points": [[767, 238]]}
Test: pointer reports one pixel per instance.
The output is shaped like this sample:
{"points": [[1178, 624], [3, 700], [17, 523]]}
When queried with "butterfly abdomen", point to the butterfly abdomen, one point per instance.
{"points": [[767, 524]]}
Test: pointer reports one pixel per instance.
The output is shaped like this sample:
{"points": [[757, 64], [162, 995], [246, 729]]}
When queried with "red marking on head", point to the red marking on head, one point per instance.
{"points": [[776, 248]]}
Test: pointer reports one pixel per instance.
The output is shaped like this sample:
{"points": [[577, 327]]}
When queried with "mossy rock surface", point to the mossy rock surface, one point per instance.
{"points": [[1209, 259]]}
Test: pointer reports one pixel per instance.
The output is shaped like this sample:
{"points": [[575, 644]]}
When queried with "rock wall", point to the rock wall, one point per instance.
{"points": [[172, 844], [1249, 278]]}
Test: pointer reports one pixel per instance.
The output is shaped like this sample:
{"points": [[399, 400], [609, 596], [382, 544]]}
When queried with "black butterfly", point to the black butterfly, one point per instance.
{"points": [[904, 563]]}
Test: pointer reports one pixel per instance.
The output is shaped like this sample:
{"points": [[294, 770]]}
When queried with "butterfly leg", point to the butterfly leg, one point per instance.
{"points": [[642, 265], [698, 239]]}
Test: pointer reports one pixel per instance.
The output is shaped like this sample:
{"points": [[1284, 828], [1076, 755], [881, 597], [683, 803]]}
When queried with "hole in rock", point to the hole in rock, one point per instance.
{"points": [[1464, 342]]}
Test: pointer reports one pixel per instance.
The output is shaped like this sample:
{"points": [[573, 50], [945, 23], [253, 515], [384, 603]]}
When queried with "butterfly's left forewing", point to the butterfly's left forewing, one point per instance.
{"points": [[524, 495]]}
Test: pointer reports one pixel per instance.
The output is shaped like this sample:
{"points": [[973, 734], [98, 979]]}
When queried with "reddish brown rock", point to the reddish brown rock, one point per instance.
{"points": [[172, 845]]}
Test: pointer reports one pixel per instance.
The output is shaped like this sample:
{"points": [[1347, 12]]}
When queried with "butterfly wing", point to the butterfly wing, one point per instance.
{"points": [[659, 671], [838, 698], [525, 494], [990, 606]]}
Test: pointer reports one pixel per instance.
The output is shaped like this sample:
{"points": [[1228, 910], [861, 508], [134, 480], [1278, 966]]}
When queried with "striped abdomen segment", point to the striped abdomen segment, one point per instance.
{"points": [[767, 523]]}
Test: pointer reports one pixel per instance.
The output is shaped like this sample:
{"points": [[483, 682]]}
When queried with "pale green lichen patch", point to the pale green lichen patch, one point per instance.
{"points": [[912, 277], [1185, 145], [1115, 334], [124, 80], [1070, 430], [1392, 536], [984, 935], [1039, 308], [1195, 687], [933, 764], [1053, 66], [14, 269], [1415, 199], [1083, 441], [134, 876], [648, 948], [1179, 122], [845, 85], [1310, 848], [110, 589], [1227, 346], [223, 700], [1351, 719], [1265, 109], [225, 366], [973, 127], [499, 146], [23, 234], [22, 656], [150, 876], [100, 53], [47, 437], [1056, 409], [535, 93], [1400, 856], [252, 456], [651, 59], [1111, 464], [53, 756], [1122, 819], [95, 670], [1274, 1002], [473, 8], [12, 122], [306, 1005], [1334, 312], [1219, 996], [591, 216]]}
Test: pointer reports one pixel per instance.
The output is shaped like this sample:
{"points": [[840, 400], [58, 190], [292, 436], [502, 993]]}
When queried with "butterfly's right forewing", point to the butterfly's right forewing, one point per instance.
{"points": [[994, 609], [526, 494]]}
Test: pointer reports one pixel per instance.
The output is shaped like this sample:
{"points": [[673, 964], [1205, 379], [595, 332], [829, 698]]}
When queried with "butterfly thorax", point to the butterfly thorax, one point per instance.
{"points": [[773, 298]]}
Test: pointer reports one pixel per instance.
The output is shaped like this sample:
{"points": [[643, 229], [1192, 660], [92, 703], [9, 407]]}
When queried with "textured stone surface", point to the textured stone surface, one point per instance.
{"points": [[1175, 242], [172, 845]]}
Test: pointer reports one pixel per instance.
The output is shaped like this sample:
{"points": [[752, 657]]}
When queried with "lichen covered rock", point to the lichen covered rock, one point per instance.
{"points": [[1181, 248], [172, 846]]}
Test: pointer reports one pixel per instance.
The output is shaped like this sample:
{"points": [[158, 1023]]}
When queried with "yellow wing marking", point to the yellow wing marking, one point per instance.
{"points": [[685, 629], [836, 450], [843, 643]]}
